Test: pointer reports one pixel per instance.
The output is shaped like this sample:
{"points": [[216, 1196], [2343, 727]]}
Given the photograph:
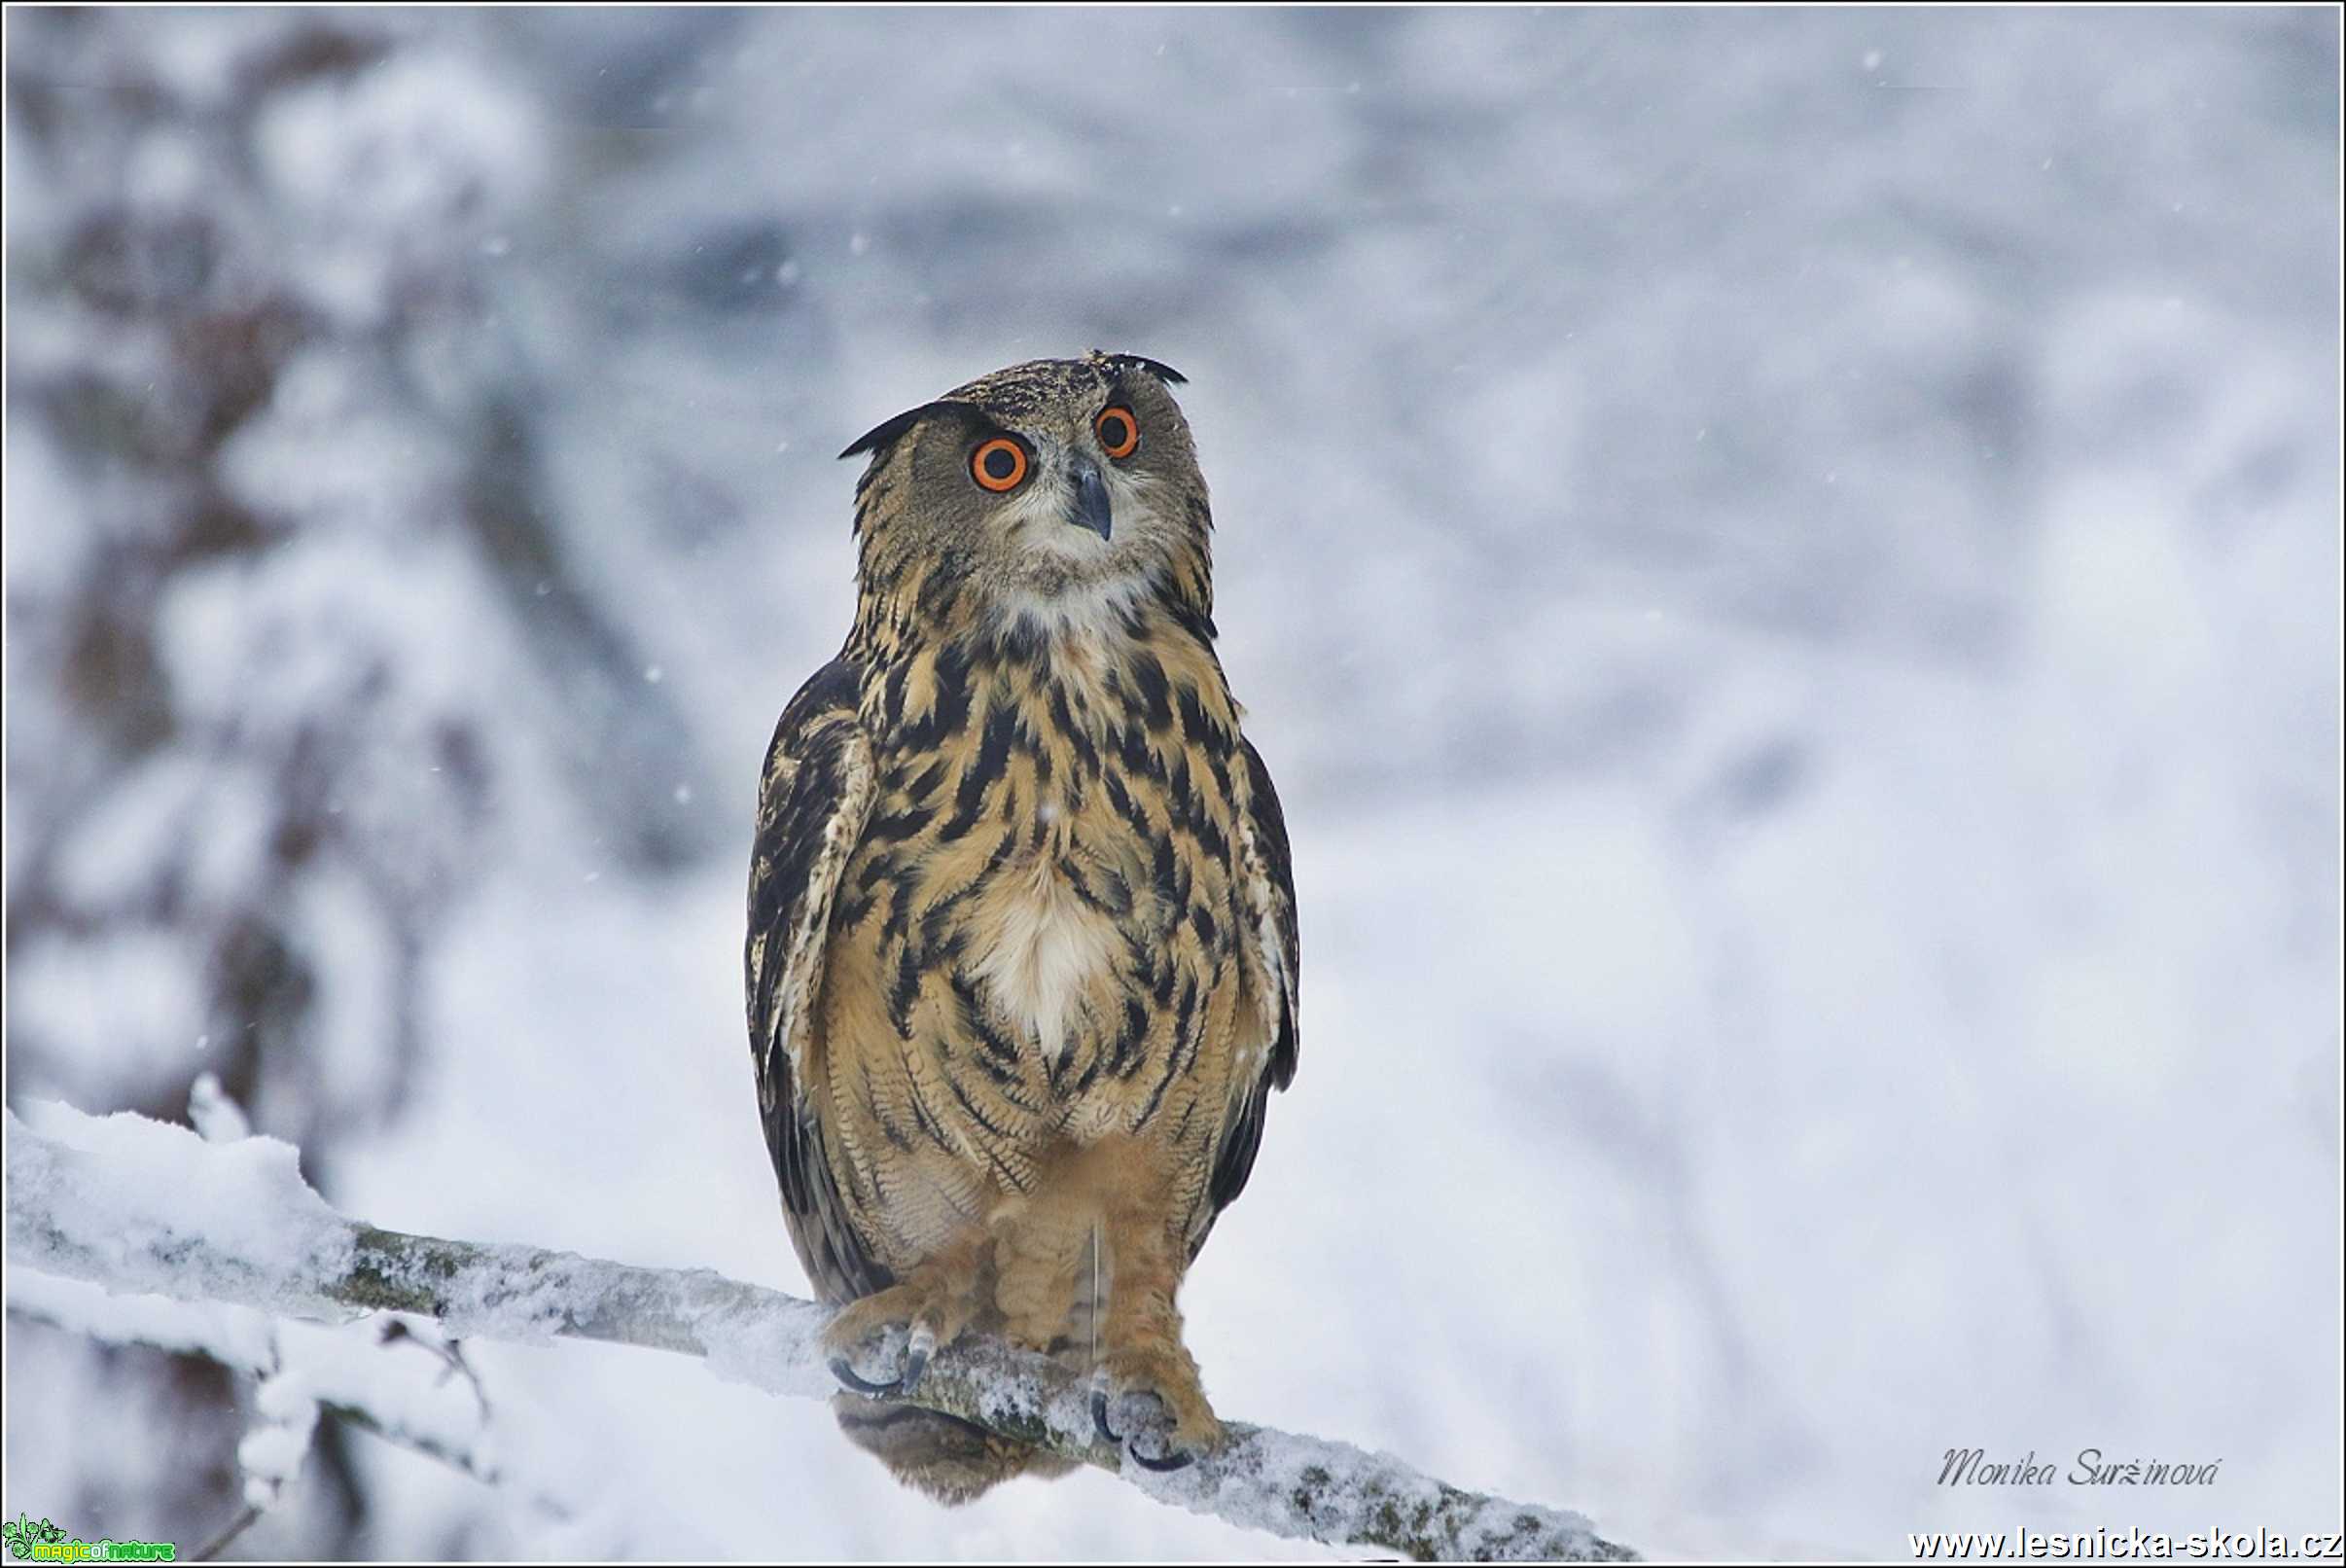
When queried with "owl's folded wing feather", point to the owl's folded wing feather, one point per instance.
{"points": [[815, 797], [1266, 880]]}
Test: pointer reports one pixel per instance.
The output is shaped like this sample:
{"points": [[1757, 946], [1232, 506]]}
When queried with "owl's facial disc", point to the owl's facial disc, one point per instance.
{"points": [[1090, 507]]}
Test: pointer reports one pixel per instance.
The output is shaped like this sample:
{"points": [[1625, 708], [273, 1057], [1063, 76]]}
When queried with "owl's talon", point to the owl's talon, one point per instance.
{"points": [[1146, 1410], [1099, 1416], [1174, 1459], [902, 1328], [846, 1374], [917, 1351]]}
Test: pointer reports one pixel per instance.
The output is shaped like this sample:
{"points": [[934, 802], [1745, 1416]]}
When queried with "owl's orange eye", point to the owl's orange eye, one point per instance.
{"points": [[1118, 431], [999, 465]]}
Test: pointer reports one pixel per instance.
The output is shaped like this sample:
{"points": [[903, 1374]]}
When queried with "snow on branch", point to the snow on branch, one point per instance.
{"points": [[340, 1367], [142, 1207]]}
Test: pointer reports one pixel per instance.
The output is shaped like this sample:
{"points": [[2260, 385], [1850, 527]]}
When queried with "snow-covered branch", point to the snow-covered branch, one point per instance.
{"points": [[340, 1367], [141, 1207]]}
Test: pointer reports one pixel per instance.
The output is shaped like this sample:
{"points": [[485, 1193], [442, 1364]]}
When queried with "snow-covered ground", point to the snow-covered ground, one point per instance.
{"points": [[1787, 564]]}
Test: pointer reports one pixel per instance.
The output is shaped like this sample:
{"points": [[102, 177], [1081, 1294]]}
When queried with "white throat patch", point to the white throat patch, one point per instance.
{"points": [[1048, 947]]}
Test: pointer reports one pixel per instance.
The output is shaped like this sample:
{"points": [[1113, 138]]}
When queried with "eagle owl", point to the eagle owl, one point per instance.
{"points": [[1022, 957]]}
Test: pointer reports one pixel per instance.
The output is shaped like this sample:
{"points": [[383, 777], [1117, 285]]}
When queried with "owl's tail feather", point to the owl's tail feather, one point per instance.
{"points": [[952, 1460]]}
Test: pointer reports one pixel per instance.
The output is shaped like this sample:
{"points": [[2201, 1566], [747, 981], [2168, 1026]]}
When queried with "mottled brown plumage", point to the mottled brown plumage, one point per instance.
{"points": [[1021, 960]]}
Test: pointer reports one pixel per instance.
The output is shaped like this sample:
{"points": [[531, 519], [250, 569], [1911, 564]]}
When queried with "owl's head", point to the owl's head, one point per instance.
{"points": [[1057, 490]]}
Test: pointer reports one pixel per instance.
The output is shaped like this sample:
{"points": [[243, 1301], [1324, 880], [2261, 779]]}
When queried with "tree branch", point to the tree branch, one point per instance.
{"points": [[347, 1378], [146, 1206]]}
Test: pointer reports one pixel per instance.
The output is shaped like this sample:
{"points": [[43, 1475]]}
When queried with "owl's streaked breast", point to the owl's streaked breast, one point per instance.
{"points": [[1038, 933], [1043, 950]]}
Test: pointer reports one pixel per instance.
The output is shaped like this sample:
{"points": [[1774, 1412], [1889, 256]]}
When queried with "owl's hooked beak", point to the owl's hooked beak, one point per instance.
{"points": [[1091, 510]]}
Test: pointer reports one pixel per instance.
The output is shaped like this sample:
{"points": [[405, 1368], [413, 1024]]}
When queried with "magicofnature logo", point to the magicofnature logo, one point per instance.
{"points": [[21, 1535], [45, 1540]]}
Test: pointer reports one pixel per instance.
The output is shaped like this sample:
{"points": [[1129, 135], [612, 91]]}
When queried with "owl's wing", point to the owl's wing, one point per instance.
{"points": [[1267, 883], [813, 802]]}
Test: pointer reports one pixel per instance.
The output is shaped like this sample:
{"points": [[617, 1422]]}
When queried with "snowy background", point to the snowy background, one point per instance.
{"points": [[1787, 565]]}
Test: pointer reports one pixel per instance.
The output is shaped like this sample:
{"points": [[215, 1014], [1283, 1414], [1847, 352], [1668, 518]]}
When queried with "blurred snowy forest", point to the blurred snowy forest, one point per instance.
{"points": [[1787, 564]]}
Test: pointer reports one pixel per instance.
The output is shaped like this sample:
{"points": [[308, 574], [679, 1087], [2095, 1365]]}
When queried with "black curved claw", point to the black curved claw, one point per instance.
{"points": [[846, 1374], [1099, 1418], [916, 1362], [1174, 1459]]}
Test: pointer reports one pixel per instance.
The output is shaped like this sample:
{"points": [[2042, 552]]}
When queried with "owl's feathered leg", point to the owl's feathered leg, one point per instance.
{"points": [[932, 1305], [1146, 1393], [1093, 1260], [1040, 1252]]}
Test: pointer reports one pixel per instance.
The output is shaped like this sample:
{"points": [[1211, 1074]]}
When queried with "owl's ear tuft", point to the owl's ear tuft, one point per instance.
{"points": [[880, 438], [1136, 362]]}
